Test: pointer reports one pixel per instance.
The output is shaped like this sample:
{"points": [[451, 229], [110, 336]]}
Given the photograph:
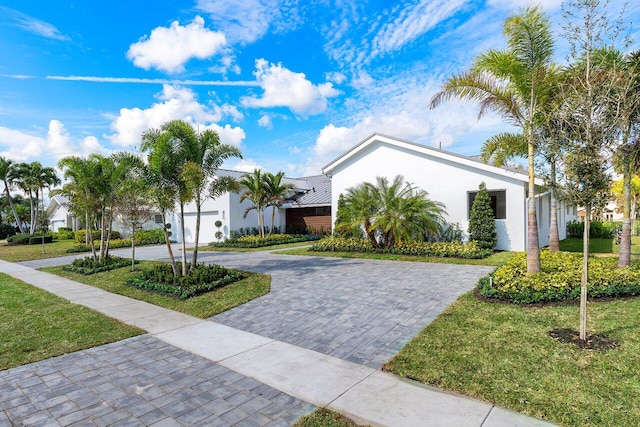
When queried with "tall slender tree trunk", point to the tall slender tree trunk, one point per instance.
{"points": [[273, 219], [533, 247], [624, 258], [585, 271], [86, 229], [194, 260], [554, 237], [183, 244], [133, 246], [103, 232], [167, 240], [13, 207], [110, 228], [32, 224]]}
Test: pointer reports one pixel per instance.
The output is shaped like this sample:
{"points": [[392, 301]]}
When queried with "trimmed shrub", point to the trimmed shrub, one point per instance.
{"points": [[469, 250], [482, 222], [19, 239], [259, 242], [80, 235], [203, 278], [88, 266], [7, 230], [597, 229], [63, 235], [37, 240], [65, 229], [559, 279], [149, 237]]}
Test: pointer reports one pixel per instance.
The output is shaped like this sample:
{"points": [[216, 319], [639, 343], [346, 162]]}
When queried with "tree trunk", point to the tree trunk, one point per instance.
{"points": [[167, 240], [273, 219], [585, 266], [106, 252], [624, 258], [194, 260], [533, 247], [183, 244], [103, 232], [133, 247], [13, 207], [86, 229], [554, 237], [32, 224]]}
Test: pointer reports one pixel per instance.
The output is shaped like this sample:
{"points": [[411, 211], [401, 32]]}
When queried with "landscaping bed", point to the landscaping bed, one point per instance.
{"points": [[505, 354], [89, 266], [250, 242], [203, 278], [559, 279], [469, 250], [205, 305], [36, 325]]}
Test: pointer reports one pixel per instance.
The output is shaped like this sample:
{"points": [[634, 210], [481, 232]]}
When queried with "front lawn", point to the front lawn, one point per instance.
{"points": [[323, 417], [36, 325], [599, 246], [496, 259], [503, 354], [16, 253], [202, 306]]}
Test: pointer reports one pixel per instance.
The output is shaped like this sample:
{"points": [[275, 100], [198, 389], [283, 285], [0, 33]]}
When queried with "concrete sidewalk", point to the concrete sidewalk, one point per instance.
{"points": [[362, 393]]}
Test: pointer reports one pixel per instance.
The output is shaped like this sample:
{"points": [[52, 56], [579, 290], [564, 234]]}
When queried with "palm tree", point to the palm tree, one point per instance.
{"points": [[254, 189], [6, 174], [511, 83], [391, 213], [33, 178], [276, 193]]}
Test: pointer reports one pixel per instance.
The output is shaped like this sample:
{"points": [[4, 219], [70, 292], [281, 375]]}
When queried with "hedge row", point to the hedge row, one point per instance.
{"points": [[203, 278], [259, 242], [143, 237], [559, 279], [469, 250], [89, 266]]}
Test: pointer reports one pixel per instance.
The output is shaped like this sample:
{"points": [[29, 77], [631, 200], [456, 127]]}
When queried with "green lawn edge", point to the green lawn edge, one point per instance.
{"points": [[37, 325], [323, 417], [254, 285], [497, 259], [503, 354], [18, 253]]}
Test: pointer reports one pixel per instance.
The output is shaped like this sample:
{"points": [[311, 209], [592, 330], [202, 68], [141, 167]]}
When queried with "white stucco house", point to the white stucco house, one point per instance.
{"points": [[60, 216], [451, 179]]}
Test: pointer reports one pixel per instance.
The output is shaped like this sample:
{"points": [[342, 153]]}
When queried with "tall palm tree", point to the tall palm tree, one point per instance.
{"points": [[33, 178], [6, 174], [254, 189], [276, 193], [511, 83]]}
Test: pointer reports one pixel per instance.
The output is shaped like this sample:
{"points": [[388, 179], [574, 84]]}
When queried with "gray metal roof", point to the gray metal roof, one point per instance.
{"points": [[299, 184]]}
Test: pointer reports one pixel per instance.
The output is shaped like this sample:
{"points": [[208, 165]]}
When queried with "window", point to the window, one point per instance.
{"points": [[498, 203], [157, 219]]}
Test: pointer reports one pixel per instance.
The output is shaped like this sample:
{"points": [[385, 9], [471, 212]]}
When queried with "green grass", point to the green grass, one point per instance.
{"points": [[323, 417], [36, 325], [202, 306], [502, 353], [599, 246], [263, 248], [498, 258], [29, 252]]}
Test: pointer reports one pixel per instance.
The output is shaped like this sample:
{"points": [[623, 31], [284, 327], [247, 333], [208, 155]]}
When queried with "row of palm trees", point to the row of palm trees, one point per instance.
{"points": [[32, 179]]}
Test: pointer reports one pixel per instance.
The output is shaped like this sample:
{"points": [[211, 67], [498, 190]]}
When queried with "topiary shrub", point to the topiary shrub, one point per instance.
{"points": [[482, 222]]}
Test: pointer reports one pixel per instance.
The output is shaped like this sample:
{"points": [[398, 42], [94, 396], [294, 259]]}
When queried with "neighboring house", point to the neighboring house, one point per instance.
{"points": [[451, 179], [305, 204], [59, 215]]}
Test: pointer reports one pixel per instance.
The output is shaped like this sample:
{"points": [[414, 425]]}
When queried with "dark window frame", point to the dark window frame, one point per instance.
{"points": [[499, 206]]}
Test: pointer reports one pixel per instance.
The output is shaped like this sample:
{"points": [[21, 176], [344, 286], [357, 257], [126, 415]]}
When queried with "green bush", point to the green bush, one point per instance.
{"points": [[80, 235], [259, 242], [19, 239], [63, 235], [89, 266], [149, 237], [482, 222], [65, 229], [597, 229], [559, 279], [37, 240], [203, 278], [469, 250], [7, 230]]}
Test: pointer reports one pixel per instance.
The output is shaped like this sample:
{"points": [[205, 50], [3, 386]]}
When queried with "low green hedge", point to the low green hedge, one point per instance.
{"points": [[80, 235], [559, 279], [143, 237], [39, 240], [203, 278], [88, 265], [469, 250], [259, 242]]}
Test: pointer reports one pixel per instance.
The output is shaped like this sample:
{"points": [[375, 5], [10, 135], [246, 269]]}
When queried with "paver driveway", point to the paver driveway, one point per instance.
{"points": [[360, 310]]}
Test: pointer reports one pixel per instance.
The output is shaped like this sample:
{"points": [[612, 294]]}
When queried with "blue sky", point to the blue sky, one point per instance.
{"points": [[292, 83]]}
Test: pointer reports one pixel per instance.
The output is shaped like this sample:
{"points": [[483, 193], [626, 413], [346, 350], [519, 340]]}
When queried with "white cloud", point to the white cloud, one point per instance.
{"points": [[413, 21], [31, 24], [336, 77], [265, 121], [518, 4], [285, 88], [168, 49], [246, 21], [56, 143], [246, 165], [173, 103]]}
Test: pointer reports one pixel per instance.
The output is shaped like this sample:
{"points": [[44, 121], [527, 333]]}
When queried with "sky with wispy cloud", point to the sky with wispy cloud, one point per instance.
{"points": [[293, 83]]}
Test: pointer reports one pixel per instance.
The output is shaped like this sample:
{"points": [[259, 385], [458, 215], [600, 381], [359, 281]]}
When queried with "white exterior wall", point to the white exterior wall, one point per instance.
{"points": [[58, 219], [444, 180]]}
